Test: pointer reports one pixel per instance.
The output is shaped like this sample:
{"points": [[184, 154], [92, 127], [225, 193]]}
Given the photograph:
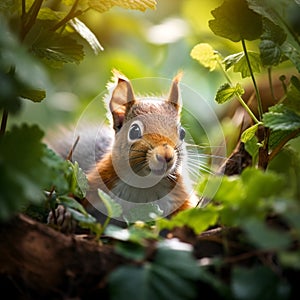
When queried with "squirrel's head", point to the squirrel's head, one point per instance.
{"points": [[149, 137]]}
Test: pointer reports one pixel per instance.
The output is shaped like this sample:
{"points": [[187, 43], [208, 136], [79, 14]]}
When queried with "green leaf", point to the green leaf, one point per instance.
{"points": [[133, 233], [280, 117], [197, 219], [87, 34], [205, 55], [249, 133], [235, 21], [265, 237], [71, 203], [23, 173], [242, 65], [258, 283], [114, 209], [54, 47], [270, 53], [103, 6], [261, 185], [292, 53], [83, 219], [226, 92], [171, 275], [232, 59], [252, 146], [271, 40], [34, 95], [292, 100], [145, 212], [78, 183]]}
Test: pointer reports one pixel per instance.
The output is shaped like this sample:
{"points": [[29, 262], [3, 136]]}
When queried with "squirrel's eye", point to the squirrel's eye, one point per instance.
{"points": [[135, 132], [181, 133]]}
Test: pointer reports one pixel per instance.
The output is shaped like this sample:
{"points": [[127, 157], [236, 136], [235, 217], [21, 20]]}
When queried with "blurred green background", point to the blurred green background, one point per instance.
{"points": [[149, 48], [150, 44]]}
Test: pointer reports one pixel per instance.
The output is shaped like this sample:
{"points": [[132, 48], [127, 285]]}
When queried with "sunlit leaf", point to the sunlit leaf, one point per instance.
{"points": [[205, 55], [279, 117], [249, 133], [196, 218], [226, 92], [87, 34], [235, 21], [102, 6]]}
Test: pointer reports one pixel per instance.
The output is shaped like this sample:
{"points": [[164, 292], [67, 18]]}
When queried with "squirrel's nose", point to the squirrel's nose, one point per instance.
{"points": [[164, 158], [164, 154]]}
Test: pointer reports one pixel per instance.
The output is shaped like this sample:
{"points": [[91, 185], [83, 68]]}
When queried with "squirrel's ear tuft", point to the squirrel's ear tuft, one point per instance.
{"points": [[174, 94], [121, 100]]}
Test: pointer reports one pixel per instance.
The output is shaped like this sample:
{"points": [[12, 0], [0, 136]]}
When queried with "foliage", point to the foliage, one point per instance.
{"points": [[261, 203]]}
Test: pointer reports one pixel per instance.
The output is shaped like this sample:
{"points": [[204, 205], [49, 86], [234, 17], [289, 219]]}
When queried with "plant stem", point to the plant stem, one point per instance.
{"points": [[271, 84], [238, 96], [71, 14], [29, 19], [247, 109], [3, 122], [259, 104], [224, 72]]}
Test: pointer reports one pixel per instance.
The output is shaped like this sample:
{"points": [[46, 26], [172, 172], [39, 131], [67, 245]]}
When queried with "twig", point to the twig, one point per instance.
{"points": [[69, 156], [3, 122]]}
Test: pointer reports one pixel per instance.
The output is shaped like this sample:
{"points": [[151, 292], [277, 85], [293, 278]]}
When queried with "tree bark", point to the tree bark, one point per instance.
{"points": [[38, 262]]}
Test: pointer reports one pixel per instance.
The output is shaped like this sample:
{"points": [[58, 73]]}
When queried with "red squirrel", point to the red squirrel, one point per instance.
{"points": [[143, 160]]}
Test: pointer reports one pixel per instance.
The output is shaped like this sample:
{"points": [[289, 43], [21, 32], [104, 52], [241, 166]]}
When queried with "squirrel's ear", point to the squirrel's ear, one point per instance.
{"points": [[174, 94], [121, 100]]}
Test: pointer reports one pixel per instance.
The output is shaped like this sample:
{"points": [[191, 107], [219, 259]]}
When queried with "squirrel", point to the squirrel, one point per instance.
{"points": [[141, 158]]}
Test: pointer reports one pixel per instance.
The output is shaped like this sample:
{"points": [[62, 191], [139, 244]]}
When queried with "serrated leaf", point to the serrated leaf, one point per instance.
{"points": [[292, 100], [87, 34], [270, 53], [242, 66], [103, 6], [235, 21], [272, 38], [249, 133], [205, 55], [54, 47], [281, 117], [114, 209], [226, 92], [232, 59], [292, 53]]}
